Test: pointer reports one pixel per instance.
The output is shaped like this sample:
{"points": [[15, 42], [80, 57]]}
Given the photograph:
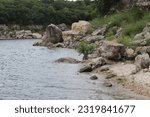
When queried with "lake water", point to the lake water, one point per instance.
{"points": [[29, 72]]}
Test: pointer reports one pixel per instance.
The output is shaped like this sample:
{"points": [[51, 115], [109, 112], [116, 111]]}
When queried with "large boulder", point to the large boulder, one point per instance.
{"points": [[77, 29], [142, 61], [53, 34], [112, 50], [81, 27]]}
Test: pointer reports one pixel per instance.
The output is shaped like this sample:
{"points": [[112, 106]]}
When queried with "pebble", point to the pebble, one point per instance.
{"points": [[94, 77], [107, 84]]}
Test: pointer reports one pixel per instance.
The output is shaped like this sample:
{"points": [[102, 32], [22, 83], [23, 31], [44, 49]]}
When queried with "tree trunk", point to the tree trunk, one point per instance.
{"points": [[85, 56]]}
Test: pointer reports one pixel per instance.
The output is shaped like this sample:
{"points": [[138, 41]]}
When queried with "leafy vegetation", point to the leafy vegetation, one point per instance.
{"points": [[103, 6], [43, 12], [85, 48], [126, 40], [132, 22]]}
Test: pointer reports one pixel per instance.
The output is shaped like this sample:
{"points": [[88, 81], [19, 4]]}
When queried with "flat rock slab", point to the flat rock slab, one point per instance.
{"points": [[67, 60], [123, 69], [87, 68]]}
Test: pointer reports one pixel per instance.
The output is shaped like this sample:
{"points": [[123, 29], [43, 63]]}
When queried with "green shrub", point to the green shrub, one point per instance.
{"points": [[110, 38], [127, 41], [85, 48], [134, 28], [135, 14]]}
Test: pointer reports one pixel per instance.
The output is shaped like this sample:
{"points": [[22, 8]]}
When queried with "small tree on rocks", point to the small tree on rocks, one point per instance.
{"points": [[85, 48]]}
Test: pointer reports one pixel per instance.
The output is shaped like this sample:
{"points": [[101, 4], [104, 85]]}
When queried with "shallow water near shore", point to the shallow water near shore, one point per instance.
{"points": [[29, 72]]}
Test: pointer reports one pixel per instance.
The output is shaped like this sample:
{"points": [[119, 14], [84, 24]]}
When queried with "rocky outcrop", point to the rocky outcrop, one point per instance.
{"points": [[143, 3], [93, 39], [143, 38], [23, 34], [36, 36], [100, 31], [67, 60], [63, 27], [144, 49], [4, 32], [18, 32], [93, 64], [77, 29], [112, 50], [27, 34], [142, 61], [53, 34], [130, 54], [97, 62]]}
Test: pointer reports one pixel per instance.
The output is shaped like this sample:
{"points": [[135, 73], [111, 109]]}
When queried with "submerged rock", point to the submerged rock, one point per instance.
{"points": [[67, 60]]}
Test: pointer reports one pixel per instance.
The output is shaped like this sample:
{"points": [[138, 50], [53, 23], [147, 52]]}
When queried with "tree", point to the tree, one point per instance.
{"points": [[103, 6], [85, 48]]}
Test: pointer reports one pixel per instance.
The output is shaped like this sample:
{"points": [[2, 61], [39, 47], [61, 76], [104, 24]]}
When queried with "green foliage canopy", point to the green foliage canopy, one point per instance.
{"points": [[85, 48], [26, 12]]}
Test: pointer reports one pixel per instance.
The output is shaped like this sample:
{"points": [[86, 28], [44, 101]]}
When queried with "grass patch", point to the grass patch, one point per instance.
{"points": [[127, 41], [132, 21]]}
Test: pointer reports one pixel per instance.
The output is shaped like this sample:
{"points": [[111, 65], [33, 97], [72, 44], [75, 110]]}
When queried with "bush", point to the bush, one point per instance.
{"points": [[125, 40], [134, 28], [103, 6], [85, 48]]}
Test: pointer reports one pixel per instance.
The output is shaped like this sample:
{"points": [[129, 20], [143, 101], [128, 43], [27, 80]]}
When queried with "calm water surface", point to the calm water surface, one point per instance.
{"points": [[28, 72]]}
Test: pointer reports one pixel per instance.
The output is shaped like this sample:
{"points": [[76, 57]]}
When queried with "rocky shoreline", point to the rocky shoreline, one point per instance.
{"points": [[18, 32], [119, 64]]}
